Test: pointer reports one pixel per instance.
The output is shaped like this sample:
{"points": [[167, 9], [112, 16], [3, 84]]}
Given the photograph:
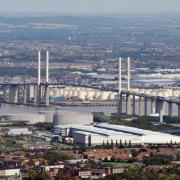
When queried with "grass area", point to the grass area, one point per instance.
{"points": [[117, 164]]}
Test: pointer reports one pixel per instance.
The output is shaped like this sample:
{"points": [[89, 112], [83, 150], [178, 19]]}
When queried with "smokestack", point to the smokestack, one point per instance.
{"points": [[47, 66], [128, 74], [39, 67], [120, 75]]}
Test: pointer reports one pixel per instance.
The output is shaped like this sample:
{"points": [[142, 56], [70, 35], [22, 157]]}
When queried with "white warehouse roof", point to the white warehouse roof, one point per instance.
{"points": [[94, 130], [124, 129]]}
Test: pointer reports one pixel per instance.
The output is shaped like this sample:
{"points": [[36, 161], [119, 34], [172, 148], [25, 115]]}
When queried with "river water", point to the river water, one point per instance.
{"points": [[21, 109]]}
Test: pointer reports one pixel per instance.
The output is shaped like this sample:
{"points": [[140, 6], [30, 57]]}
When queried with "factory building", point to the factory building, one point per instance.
{"points": [[91, 136], [17, 131], [10, 173], [102, 133], [153, 83], [67, 117]]}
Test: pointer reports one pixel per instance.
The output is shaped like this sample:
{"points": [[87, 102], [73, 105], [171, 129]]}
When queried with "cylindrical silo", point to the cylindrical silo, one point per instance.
{"points": [[56, 92], [112, 96], [90, 94], [104, 95], [51, 92], [97, 94], [65, 93], [60, 92], [82, 95], [159, 93], [75, 93]]}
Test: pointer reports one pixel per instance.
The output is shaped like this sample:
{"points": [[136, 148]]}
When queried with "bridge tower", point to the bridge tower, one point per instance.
{"points": [[46, 94]]}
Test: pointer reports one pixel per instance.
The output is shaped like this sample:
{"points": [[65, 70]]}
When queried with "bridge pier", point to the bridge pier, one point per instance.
{"points": [[157, 106], [134, 105], [19, 94], [4, 91], [140, 105], [128, 105], [161, 111], [170, 112], [39, 95], [26, 94], [46, 94], [35, 95], [178, 110], [145, 106], [13, 94], [153, 109], [120, 104]]}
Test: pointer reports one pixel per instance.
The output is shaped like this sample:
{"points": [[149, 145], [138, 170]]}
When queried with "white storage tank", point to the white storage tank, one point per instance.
{"points": [[70, 93], [90, 94], [159, 93], [65, 93], [166, 94], [62, 118], [112, 96], [153, 93], [51, 92], [97, 94], [60, 92], [77, 88], [170, 91], [48, 115], [56, 92], [176, 93], [104, 95], [68, 87], [147, 92], [82, 95], [141, 91], [75, 93]]}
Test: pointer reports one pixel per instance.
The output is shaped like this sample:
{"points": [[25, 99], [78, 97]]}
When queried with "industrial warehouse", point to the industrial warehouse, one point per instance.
{"points": [[102, 133]]}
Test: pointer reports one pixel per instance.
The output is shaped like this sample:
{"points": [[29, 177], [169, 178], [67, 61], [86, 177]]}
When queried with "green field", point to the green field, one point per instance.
{"points": [[117, 164]]}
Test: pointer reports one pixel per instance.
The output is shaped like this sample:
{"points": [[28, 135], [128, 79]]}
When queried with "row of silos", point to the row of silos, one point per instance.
{"points": [[175, 93], [83, 93]]}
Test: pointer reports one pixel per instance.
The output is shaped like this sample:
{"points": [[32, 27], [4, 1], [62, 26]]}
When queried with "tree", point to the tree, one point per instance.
{"points": [[134, 153], [129, 143], [171, 144], [54, 156], [32, 175], [44, 176], [106, 159], [103, 143], [125, 143], [107, 143], [120, 144], [85, 156], [111, 143], [112, 158], [116, 143]]}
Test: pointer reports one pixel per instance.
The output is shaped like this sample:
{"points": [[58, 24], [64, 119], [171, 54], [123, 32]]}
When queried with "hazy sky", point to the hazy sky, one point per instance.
{"points": [[81, 6]]}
